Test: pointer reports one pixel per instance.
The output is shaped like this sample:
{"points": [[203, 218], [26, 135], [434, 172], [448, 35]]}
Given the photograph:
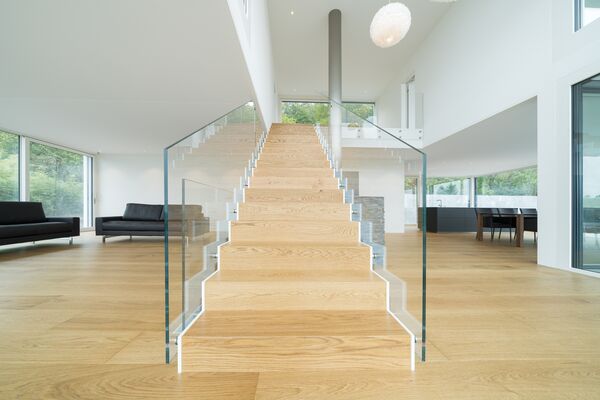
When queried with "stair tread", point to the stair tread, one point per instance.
{"points": [[308, 275], [296, 323]]}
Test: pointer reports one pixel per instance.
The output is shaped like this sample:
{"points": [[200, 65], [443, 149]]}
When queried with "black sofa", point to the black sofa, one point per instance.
{"points": [[25, 221], [149, 220]]}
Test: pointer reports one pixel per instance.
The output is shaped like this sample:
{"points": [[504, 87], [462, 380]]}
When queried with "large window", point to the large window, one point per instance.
{"points": [[512, 189], [9, 167], [448, 192], [58, 178], [586, 174], [297, 112], [586, 12]]}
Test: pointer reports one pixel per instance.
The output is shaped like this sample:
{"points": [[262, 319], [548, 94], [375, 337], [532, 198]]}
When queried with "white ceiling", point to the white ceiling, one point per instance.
{"points": [[117, 76], [300, 46], [504, 142]]}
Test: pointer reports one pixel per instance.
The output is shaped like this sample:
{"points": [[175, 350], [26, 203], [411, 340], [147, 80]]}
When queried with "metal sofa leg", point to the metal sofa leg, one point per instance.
{"points": [[70, 241], [103, 239]]}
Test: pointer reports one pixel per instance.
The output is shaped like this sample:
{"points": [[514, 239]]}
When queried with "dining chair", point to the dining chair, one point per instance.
{"points": [[487, 214], [530, 221], [506, 218]]}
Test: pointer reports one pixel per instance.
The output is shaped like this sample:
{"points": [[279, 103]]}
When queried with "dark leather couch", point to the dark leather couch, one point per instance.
{"points": [[25, 221], [149, 220]]}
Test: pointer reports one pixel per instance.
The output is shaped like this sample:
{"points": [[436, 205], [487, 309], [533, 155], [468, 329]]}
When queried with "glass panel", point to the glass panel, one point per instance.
{"points": [[381, 173], [9, 167], [448, 192], [512, 189], [587, 175], [590, 11], [56, 178], [204, 174]]}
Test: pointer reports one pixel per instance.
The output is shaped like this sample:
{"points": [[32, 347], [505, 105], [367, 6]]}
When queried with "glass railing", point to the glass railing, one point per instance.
{"points": [[383, 176], [204, 175]]}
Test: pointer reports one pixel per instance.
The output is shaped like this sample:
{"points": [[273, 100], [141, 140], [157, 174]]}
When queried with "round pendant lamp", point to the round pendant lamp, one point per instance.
{"points": [[390, 24]]}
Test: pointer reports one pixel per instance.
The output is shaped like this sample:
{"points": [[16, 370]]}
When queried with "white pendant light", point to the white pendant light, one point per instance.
{"points": [[390, 24]]}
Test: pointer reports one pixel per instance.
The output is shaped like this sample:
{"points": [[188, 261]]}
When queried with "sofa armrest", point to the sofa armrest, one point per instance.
{"points": [[73, 221], [100, 223]]}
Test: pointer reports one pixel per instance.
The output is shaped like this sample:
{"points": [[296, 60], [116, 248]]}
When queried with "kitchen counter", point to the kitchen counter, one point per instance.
{"points": [[450, 219]]}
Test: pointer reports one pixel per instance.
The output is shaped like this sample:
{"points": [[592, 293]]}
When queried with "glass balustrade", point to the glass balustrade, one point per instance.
{"points": [[374, 165], [204, 175]]}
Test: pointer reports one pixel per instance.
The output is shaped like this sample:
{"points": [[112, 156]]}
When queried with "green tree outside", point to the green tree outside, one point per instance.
{"points": [[9, 167]]}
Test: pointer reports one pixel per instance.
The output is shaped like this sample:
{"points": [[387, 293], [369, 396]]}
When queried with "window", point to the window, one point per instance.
{"points": [[363, 110], [586, 12], [296, 112], [56, 179], [9, 167], [512, 189], [586, 174], [305, 113], [448, 192]]}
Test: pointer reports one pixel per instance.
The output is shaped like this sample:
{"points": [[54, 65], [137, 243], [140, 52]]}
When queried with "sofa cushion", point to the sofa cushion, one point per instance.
{"points": [[21, 212], [40, 228], [131, 226], [142, 212]]}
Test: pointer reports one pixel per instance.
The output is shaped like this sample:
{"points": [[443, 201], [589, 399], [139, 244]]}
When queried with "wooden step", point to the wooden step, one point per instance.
{"points": [[279, 182], [257, 211], [343, 232], [286, 163], [298, 156], [293, 256], [292, 172], [294, 341], [294, 195], [301, 295], [292, 139], [294, 147]]}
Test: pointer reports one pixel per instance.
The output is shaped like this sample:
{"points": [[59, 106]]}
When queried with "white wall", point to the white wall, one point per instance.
{"points": [[483, 57], [486, 56], [122, 179], [255, 40], [382, 178], [576, 57]]}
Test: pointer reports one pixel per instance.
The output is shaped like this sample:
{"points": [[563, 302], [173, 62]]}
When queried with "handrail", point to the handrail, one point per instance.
{"points": [[210, 123], [375, 125], [207, 185]]}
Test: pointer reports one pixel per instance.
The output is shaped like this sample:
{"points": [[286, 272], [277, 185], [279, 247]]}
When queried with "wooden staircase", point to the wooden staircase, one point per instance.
{"points": [[294, 291]]}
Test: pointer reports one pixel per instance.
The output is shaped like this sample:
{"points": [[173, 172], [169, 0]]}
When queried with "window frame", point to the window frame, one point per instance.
{"points": [[87, 222], [577, 178]]}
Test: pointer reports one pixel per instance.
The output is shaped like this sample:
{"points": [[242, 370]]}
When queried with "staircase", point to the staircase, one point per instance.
{"points": [[294, 290]]}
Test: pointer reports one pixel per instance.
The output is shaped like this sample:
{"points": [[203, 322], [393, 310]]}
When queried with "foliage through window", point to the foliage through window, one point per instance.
{"points": [[313, 112], [521, 182], [9, 167], [511, 189], [56, 178]]}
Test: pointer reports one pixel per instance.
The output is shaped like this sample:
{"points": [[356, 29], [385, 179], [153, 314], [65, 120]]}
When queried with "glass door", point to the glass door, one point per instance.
{"points": [[586, 174]]}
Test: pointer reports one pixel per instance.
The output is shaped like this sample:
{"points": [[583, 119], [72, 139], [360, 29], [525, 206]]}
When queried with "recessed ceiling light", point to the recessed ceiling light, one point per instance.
{"points": [[292, 12]]}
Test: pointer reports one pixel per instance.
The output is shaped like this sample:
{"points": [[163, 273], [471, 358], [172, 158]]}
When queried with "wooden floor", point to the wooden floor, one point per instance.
{"points": [[86, 322]]}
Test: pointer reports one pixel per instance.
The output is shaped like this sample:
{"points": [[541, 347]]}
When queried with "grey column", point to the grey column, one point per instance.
{"points": [[335, 83]]}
